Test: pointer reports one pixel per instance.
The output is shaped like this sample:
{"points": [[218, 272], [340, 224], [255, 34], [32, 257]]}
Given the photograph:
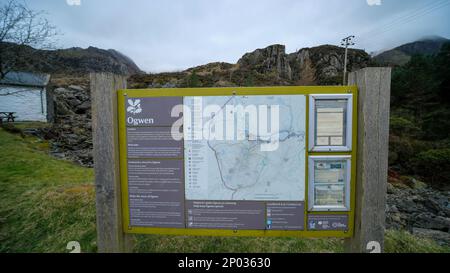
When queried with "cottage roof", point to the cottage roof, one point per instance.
{"points": [[25, 79]]}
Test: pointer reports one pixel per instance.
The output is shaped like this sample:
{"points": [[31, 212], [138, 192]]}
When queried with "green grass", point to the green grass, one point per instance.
{"points": [[156, 243], [30, 124], [404, 242], [46, 202]]}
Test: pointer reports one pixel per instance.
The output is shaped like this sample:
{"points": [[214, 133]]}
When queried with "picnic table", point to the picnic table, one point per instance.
{"points": [[8, 116]]}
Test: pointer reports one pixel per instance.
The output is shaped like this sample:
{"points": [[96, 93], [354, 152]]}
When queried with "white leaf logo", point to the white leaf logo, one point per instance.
{"points": [[134, 107]]}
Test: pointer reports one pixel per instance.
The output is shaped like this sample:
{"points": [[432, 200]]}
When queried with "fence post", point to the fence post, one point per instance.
{"points": [[374, 85], [110, 235]]}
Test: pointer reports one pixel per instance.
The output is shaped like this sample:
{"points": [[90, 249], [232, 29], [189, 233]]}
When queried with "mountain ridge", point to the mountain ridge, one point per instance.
{"points": [[264, 66], [319, 65], [402, 54], [74, 60]]}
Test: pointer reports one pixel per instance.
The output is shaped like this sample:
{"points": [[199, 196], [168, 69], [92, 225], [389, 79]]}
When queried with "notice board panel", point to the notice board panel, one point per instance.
{"points": [[228, 162]]}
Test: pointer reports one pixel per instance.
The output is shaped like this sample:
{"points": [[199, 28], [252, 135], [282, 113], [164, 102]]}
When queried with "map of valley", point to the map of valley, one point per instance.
{"points": [[241, 169]]}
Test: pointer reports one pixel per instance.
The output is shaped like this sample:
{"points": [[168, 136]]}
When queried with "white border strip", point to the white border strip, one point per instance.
{"points": [[312, 123]]}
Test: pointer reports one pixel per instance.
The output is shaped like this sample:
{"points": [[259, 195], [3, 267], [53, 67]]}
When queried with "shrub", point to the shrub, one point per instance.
{"points": [[434, 164], [401, 126], [403, 149]]}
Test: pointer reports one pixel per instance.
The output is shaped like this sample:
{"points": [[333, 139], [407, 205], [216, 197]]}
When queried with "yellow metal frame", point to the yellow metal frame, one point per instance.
{"points": [[242, 91]]}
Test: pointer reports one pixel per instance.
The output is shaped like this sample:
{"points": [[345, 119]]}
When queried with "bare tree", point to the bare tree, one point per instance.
{"points": [[19, 27]]}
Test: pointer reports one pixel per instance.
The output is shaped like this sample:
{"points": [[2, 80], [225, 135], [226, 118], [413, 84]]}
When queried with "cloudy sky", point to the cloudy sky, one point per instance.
{"points": [[170, 35]]}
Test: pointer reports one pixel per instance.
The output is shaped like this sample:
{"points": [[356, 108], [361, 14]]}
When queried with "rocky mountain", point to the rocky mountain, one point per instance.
{"points": [[265, 66], [70, 61], [402, 54], [324, 64], [314, 65]]}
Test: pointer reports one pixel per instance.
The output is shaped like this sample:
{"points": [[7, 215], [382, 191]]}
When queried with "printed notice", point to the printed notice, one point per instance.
{"points": [[233, 215], [285, 216], [330, 128], [156, 193], [153, 142]]}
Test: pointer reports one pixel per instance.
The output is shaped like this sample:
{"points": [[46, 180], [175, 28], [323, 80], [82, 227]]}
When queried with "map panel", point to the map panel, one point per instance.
{"points": [[247, 163]]}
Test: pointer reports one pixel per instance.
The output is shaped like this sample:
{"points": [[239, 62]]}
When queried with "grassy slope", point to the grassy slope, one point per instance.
{"points": [[46, 203]]}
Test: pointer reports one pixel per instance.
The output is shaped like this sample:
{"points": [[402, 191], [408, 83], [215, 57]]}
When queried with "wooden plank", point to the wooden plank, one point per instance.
{"points": [[110, 235], [373, 147]]}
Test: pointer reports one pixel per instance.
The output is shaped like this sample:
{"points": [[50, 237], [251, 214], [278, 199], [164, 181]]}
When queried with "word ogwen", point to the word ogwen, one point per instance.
{"points": [[140, 121], [229, 122]]}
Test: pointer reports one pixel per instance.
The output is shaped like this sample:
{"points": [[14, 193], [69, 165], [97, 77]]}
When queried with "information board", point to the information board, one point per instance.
{"points": [[232, 162]]}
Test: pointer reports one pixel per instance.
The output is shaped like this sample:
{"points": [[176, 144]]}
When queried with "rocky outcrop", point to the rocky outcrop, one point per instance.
{"points": [[419, 209], [324, 64], [272, 59], [303, 67], [316, 65]]}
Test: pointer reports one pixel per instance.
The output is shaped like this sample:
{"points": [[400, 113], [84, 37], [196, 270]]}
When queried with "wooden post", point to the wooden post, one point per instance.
{"points": [[110, 235], [374, 86]]}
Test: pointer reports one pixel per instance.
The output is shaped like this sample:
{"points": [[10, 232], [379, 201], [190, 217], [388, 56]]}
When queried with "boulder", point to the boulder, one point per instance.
{"points": [[432, 221], [76, 88], [442, 238]]}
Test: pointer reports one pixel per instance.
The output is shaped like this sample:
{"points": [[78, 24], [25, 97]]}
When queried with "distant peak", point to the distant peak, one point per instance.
{"points": [[433, 38]]}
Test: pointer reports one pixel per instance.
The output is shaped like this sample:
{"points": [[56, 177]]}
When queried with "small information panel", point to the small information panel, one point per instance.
{"points": [[329, 183], [235, 163]]}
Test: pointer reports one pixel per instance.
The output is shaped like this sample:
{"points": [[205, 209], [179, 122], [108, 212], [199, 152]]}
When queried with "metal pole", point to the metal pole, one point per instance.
{"points": [[345, 64], [347, 41]]}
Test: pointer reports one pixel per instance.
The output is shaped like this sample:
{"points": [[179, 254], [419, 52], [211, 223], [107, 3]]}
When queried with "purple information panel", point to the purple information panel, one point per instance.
{"points": [[155, 164], [234, 215], [327, 222], [156, 193], [285, 215]]}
